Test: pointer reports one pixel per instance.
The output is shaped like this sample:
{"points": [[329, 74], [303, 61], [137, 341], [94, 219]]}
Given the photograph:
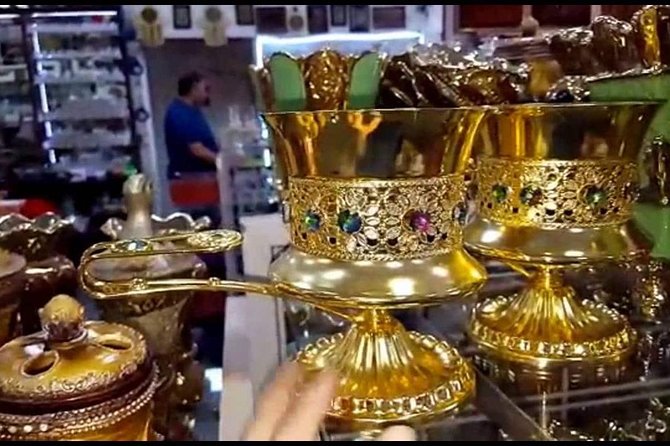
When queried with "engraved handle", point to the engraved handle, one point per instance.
{"points": [[205, 242]]}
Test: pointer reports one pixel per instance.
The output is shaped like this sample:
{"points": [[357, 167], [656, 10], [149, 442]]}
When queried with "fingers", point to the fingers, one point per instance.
{"points": [[274, 402], [398, 433], [308, 410]]}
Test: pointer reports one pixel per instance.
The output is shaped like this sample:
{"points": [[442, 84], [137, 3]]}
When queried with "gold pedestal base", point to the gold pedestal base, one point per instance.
{"points": [[544, 324], [389, 375]]}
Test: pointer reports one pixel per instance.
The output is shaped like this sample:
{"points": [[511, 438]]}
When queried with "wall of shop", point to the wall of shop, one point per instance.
{"points": [[427, 19]]}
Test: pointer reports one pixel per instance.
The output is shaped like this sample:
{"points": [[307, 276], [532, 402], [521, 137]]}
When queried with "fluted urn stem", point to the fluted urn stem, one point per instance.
{"points": [[546, 322]]}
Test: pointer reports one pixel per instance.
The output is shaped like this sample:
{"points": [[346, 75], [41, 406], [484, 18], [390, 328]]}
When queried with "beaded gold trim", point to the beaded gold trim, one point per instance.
{"points": [[523, 348], [556, 193], [67, 424], [457, 387], [365, 219]]}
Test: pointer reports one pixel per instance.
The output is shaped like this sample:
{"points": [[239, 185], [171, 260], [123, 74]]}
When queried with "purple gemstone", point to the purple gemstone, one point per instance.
{"points": [[420, 221]]}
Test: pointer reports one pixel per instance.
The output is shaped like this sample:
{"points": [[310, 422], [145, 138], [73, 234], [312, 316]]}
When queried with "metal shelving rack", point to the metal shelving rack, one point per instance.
{"points": [[81, 85]]}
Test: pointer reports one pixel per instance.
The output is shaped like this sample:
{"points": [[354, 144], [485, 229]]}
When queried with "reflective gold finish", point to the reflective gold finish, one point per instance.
{"points": [[76, 380], [555, 188], [43, 242], [162, 318], [545, 323], [385, 209], [553, 194], [651, 26], [371, 358], [346, 171]]}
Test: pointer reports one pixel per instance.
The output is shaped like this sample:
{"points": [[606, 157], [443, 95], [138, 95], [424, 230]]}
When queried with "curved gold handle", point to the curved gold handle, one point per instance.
{"points": [[205, 242]]}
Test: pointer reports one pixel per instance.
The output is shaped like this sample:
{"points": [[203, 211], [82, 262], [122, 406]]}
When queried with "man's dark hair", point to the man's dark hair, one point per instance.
{"points": [[187, 82]]}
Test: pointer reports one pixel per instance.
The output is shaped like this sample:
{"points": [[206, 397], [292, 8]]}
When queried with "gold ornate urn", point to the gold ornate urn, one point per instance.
{"points": [[376, 204], [43, 242], [555, 190], [162, 318], [76, 380]]}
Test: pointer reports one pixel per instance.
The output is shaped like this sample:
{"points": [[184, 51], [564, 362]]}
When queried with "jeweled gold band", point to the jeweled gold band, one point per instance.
{"points": [[556, 193], [384, 220]]}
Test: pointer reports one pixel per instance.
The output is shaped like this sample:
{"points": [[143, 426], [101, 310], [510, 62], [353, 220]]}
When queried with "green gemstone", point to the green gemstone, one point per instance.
{"points": [[312, 221], [595, 197], [349, 222], [530, 195], [499, 193]]}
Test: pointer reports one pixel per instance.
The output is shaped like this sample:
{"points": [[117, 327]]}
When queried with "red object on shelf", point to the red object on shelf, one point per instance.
{"points": [[34, 207], [196, 191]]}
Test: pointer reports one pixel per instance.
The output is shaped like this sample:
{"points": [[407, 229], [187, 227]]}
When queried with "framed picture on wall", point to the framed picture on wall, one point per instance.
{"points": [[271, 20], [244, 15], [181, 16], [338, 15], [392, 17], [359, 18], [317, 19], [562, 15]]}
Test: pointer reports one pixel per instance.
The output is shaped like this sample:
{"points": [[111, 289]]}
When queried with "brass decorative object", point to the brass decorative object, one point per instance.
{"points": [[76, 380], [12, 284], [652, 214], [42, 242], [555, 189], [163, 317], [376, 204]]}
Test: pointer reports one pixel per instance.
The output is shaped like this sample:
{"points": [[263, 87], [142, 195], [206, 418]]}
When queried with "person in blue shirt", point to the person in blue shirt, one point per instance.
{"points": [[191, 145]]}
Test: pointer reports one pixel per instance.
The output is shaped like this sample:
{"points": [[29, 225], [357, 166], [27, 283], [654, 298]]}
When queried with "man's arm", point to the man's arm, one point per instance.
{"points": [[198, 149]]}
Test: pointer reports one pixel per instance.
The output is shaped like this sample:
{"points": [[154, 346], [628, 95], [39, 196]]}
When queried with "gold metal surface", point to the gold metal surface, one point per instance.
{"points": [[554, 194], [75, 380], [395, 219], [163, 317], [350, 174], [545, 323], [381, 144], [555, 188], [650, 24], [388, 374]]}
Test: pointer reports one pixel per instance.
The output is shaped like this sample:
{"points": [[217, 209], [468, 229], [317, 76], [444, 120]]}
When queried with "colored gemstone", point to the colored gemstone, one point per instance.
{"points": [[459, 213], [420, 221], [499, 193], [595, 197], [312, 221], [530, 195], [349, 222], [136, 245]]}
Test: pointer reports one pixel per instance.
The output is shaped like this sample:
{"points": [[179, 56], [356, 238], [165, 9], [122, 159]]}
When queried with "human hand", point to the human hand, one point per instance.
{"points": [[291, 409]]}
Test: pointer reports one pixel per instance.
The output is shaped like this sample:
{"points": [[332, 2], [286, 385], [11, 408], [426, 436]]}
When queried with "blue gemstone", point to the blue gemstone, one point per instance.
{"points": [[349, 222], [312, 221]]}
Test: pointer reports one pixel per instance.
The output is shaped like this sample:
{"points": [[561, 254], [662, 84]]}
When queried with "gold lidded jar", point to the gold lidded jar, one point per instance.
{"points": [[76, 380]]}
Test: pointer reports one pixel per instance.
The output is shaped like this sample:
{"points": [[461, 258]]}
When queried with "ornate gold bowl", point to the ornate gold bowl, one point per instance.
{"points": [[555, 188], [376, 203]]}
